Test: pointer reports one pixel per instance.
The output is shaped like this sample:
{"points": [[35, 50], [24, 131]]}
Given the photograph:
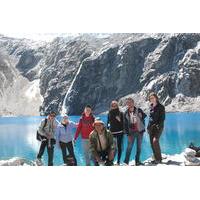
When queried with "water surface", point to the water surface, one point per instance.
{"points": [[18, 137]]}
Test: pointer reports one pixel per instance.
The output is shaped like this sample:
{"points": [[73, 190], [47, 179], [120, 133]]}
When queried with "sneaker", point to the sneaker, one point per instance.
{"points": [[39, 162], [125, 164]]}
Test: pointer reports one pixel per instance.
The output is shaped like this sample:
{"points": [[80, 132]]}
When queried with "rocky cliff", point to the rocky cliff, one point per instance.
{"points": [[67, 73]]}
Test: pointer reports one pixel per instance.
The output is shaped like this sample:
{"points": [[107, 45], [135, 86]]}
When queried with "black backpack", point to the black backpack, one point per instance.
{"points": [[38, 136]]}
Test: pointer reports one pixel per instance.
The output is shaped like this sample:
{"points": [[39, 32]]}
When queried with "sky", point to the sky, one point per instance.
{"points": [[22, 17], [53, 16]]}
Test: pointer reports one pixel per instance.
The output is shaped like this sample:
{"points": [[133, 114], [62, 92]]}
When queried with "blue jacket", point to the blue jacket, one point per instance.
{"points": [[64, 134]]}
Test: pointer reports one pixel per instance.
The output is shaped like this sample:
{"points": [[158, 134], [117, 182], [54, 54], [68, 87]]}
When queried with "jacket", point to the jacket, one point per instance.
{"points": [[141, 121], [64, 134], [157, 116], [115, 125], [49, 128], [93, 139], [85, 126]]}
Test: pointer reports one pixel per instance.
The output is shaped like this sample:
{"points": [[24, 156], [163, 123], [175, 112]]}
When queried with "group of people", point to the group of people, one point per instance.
{"points": [[102, 142]]}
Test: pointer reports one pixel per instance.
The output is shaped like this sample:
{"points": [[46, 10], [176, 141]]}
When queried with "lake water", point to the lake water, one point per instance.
{"points": [[18, 137]]}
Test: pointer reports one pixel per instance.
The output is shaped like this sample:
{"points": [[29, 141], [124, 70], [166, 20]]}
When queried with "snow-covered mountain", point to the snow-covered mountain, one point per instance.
{"points": [[71, 70]]}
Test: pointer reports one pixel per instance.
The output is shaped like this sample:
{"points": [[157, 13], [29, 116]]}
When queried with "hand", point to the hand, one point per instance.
{"points": [[140, 115], [118, 118]]}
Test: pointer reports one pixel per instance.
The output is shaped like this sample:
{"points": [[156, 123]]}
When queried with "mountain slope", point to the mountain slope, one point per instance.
{"points": [[69, 72]]}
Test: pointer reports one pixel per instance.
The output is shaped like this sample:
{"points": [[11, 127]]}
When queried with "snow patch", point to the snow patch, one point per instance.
{"points": [[33, 91], [151, 84]]}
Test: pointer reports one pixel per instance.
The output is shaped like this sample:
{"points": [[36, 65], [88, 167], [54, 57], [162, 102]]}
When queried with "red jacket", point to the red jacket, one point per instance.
{"points": [[85, 126]]}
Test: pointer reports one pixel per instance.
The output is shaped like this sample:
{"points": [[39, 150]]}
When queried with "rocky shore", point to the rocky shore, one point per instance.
{"points": [[186, 158]]}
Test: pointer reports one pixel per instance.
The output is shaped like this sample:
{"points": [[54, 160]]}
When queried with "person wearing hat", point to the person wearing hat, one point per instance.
{"points": [[64, 138], [85, 127], [101, 144], [46, 132]]}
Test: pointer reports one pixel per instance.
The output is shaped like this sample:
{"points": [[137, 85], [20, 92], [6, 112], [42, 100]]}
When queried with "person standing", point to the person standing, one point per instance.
{"points": [[46, 132], [101, 145], [64, 138], [134, 127], [115, 123], [85, 127], [156, 126]]}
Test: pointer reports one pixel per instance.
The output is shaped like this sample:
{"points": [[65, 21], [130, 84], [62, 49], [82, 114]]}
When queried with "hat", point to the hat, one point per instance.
{"points": [[98, 122]]}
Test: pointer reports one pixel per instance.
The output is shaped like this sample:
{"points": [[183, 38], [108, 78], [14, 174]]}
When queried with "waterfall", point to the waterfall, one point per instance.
{"points": [[69, 93]]}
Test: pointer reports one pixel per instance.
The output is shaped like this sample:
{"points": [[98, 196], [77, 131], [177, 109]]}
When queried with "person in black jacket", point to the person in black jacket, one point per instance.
{"points": [[156, 125], [115, 125], [134, 126]]}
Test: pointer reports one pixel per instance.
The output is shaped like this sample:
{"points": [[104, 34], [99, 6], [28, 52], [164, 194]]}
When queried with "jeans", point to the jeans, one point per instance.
{"points": [[131, 139], [118, 140], [86, 149], [67, 147], [154, 135], [50, 150]]}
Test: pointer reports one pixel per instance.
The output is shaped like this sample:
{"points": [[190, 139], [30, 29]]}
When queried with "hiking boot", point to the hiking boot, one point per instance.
{"points": [[139, 164], [156, 162]]}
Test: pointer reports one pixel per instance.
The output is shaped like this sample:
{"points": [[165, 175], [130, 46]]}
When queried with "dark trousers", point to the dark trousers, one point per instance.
{"points": [[104, 157], [119, 141], [154, 135], [67, 147], [50, 150], [131, 139]]}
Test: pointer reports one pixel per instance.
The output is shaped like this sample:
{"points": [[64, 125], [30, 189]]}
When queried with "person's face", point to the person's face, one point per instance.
{"points": [[65, 120], [99, 127], [130, 104], [52, 116], [153, 100], [88, 111], [114, 106]]}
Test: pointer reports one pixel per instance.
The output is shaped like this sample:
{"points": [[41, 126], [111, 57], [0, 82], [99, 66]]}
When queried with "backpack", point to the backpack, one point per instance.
{"points": [[38, 136]]}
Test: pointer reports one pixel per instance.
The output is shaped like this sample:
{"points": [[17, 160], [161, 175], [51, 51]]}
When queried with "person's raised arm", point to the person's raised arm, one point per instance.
{"points": [[73, 124]]}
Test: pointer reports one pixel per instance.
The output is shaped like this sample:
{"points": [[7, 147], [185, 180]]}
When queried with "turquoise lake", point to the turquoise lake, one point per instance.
{"points": [[18, 137]]}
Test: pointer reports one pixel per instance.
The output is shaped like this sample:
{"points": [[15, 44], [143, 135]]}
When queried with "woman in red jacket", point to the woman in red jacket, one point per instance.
{"points": [[85, 127]]}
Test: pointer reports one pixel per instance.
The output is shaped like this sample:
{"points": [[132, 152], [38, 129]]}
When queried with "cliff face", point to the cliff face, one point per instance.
{"points": [[166, 64], [68, 73]]}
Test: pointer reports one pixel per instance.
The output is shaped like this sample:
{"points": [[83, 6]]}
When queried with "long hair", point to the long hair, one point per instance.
{"points": [[114, 102], [153, 94]]}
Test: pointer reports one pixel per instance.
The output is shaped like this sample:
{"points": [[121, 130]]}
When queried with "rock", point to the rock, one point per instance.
{"points": [[191, 160], [190, 152], [16, 162]]}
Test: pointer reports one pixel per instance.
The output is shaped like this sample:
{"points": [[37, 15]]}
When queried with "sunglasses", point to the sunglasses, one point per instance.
{"points": [[52, 116]]}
